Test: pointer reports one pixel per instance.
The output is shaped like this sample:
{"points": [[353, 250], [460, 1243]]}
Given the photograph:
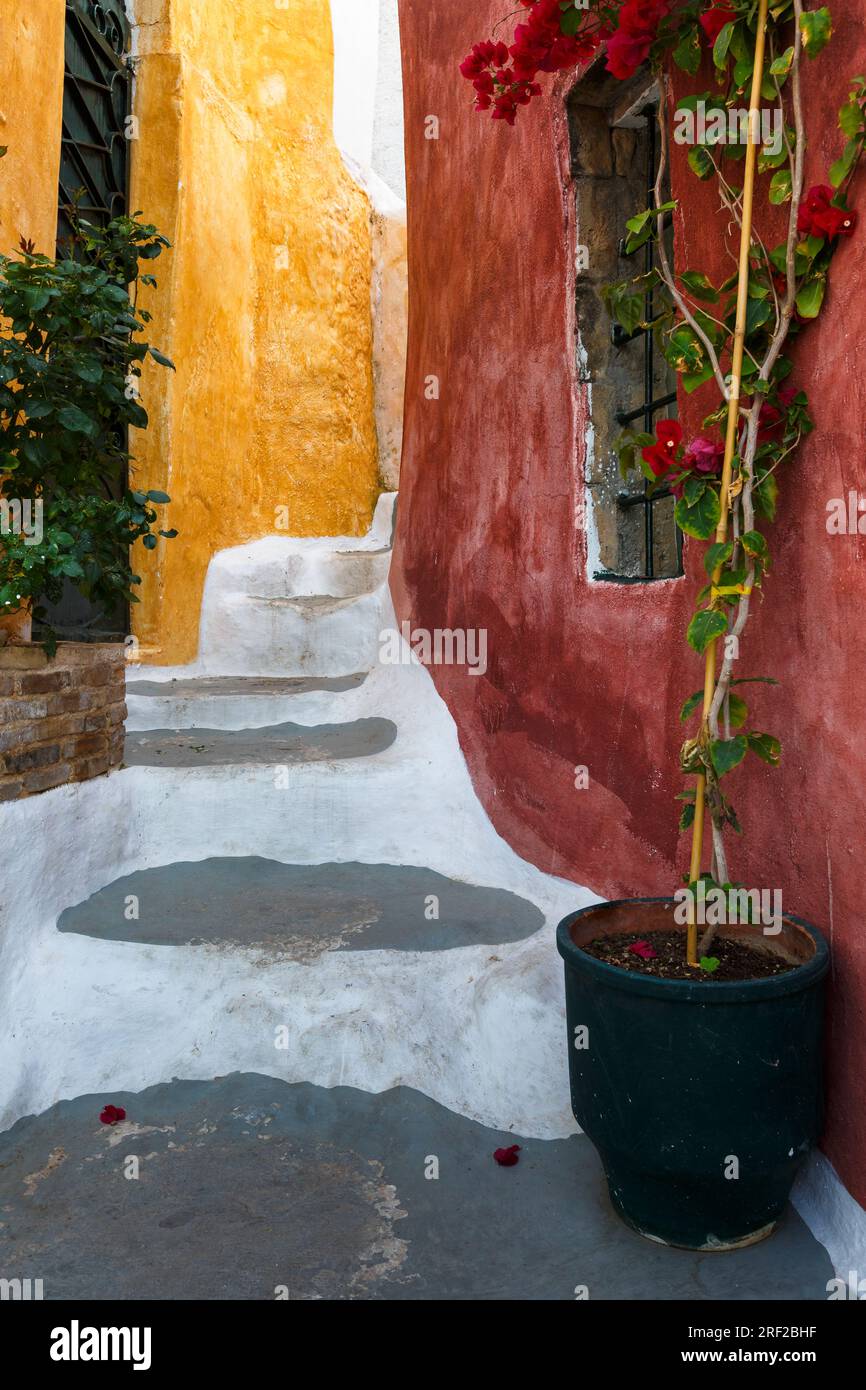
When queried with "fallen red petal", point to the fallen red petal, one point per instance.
{"points": [[644, 950], [506, 1158], [112, 1115]]}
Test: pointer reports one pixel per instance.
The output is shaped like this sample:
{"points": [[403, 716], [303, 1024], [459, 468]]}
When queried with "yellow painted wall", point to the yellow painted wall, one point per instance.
{"points": [[31, 101], [264, 302]]}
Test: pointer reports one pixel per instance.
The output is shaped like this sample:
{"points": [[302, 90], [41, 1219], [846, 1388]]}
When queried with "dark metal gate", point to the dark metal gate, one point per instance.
{"points": [[94, 161], [94, 176]]}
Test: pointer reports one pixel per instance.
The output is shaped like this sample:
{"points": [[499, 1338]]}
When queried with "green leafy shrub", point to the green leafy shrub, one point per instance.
{"points": [[70, 360]]}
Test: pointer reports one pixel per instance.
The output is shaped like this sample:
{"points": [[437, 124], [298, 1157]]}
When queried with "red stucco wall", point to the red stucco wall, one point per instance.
{"points": [[490, 535]]}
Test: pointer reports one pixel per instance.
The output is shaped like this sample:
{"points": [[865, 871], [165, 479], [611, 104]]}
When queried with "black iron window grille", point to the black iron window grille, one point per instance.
{"points": [[652, 405], [94, 161]]}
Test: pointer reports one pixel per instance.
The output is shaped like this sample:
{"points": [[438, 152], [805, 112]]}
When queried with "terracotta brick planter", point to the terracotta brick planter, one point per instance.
{"points": [[61, 720]]}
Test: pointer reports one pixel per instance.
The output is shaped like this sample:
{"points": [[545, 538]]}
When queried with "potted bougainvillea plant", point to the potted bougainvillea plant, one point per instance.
{"points": [[695, 1021]]}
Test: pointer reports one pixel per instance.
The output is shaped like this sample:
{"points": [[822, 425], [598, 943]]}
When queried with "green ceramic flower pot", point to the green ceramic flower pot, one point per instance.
{"points": [[702, 1098]]}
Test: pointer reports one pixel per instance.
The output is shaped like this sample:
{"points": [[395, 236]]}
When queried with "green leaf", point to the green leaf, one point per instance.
{"points": [[90, 372], [150, 542], [36, 299], [851, 119], [163, 361], [758, 313], [768, 160], [743, 69], [691, 705], [728, 753], [687, 54], [722, 44], [738, 711], [738, 708], [643, 226], [766, 747], [811, 296], [570, 20], [693, 101], [755, 545], [782, 65], [717, 555], [710, 964], [700, 517], [768, 86], [75, 420], [840, 170], [158, 496], [700, 162], [704, 627], [684, 350], [627, 447], [780, 187], [692, 380], [700, 286], [765, 496], [817, 28], [687, 819]]}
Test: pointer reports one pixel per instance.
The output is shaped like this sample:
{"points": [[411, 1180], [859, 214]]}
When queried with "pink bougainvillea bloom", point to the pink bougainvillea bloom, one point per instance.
{"points": [[644, 950], [506, 1158], [714, 20], [113, 1114], [704, 455]]}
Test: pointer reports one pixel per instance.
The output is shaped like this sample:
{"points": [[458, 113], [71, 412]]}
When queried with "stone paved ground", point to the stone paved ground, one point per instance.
{"points": [[249, 1188], [298, 908], [306, 905], [280, 744]]}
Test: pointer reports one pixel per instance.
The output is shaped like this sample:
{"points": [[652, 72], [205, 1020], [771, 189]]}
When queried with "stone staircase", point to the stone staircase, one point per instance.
{"points": [[291, 899]]}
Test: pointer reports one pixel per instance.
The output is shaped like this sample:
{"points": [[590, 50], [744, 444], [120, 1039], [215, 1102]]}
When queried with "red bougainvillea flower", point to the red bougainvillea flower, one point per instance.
{"points": [[504, 78], [112, 1114], [704, 456], [819, 216], [714, 20], [662, 456], [638, 26], [506, 1158], [770, 417], [644, 950]]}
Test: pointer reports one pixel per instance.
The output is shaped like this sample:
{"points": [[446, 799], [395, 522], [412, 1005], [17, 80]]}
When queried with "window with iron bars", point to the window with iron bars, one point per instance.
{"points": [[94, 158], [614, 135]]}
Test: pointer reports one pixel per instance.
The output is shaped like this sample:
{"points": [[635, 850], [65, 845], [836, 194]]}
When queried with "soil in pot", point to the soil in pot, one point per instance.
{"points": [[737, 960]]}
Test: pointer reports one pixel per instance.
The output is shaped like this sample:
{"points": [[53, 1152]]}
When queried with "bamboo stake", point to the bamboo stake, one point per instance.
{"points": [[731, 437]]}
